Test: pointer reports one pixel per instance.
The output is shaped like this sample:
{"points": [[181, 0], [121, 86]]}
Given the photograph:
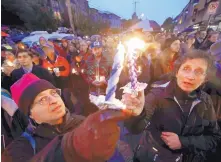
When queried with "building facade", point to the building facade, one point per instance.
{"points": [[196, 15]]}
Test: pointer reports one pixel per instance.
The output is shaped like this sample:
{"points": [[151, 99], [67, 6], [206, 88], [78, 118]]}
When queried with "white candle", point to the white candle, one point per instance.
{"points": [[115, 73]]}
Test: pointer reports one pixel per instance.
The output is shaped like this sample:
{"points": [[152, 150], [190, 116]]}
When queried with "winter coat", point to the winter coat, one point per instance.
{"points": [[20, 150], [59, 50], [60, 62], [192, 119], [206, 46], [103, 68], [36, 70], [6, 81]]}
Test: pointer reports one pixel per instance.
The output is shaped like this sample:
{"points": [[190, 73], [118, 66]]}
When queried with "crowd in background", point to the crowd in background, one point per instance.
{"points": [[80, 66]]}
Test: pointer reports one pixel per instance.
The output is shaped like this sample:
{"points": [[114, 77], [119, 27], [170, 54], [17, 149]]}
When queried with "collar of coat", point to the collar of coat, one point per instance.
{"points": [[169, 89], [71, 121]]}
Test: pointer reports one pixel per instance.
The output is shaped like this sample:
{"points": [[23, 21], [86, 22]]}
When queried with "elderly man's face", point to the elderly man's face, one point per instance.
{"points": [[48, 107], [192, 74]]}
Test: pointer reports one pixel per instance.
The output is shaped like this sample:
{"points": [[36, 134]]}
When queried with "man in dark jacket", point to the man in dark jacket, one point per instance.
{"points": [[25, 59], [179, 118], [58, 134]]}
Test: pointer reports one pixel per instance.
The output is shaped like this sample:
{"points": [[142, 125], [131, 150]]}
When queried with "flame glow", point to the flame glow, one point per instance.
{"points": [[135, 43]]}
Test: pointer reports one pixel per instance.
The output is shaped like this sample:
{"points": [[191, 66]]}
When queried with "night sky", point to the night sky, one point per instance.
{"points": [[157, 10]]}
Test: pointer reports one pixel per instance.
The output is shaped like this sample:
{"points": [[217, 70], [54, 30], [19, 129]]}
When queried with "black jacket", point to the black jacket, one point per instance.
{"points": [[196, 126], [20, 150], [36, 70]]}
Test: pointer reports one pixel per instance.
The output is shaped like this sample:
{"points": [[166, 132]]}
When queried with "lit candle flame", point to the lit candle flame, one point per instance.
{"points": [[97, 78], [135, 43], [49, 68], [74, 71], [139, 69]]}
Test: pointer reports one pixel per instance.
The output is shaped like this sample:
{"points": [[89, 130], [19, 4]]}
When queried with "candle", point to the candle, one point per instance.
{"points": [[132, 70], [139, 69], [82, 70], [115, 73], [133, 44], [97, 78]]}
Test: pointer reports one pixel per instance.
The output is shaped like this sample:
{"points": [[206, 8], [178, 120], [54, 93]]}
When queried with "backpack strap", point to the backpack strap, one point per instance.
{"points": [[31, 140]]}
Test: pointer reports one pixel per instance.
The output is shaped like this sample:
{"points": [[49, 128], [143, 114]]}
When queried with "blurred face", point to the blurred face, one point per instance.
{"points": [[48, 107], [97, 51], [24, 59], [65, 44], [191, 74], [84, 47], [78, 46], [175, 46], [72, 48], [35, 59], [202, 35], [191, 41], [214, 38], [42, 41], [48, 51]]}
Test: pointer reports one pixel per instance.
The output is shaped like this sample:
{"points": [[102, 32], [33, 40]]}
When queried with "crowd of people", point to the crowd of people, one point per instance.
{"points": [[47, 115]]}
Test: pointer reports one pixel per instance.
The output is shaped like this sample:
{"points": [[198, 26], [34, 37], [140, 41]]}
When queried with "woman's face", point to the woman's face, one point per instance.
{"points": [[42, 41], [175, 46], [192, 74]]}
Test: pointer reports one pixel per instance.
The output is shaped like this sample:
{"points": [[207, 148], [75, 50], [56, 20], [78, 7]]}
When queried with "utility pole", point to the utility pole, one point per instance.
{"points": [[135, 6], [68, 5]]}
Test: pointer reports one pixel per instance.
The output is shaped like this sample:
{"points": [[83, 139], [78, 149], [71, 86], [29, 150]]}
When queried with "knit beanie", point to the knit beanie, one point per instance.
{"points": [[26, 89]]}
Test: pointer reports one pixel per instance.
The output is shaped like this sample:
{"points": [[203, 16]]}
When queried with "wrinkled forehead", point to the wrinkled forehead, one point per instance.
{"points": [[196, 63], [43, 93]]}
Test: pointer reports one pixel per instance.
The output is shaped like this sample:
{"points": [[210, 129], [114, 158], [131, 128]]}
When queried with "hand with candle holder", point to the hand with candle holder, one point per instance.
{"points": [[56, 71], [50, 70], [8, 67]]}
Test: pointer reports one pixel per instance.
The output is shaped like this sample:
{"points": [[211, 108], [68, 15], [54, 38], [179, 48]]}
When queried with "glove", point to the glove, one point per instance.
{"points": [[8, 105], [96, 138]]}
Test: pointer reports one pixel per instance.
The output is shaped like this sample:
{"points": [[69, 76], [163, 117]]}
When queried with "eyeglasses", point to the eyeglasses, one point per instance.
{"points": [[197, 73], [46, 99]]}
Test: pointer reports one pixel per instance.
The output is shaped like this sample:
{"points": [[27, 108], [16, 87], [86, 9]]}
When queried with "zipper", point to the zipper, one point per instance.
{"points": [[195, 102], [178, 103]]}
